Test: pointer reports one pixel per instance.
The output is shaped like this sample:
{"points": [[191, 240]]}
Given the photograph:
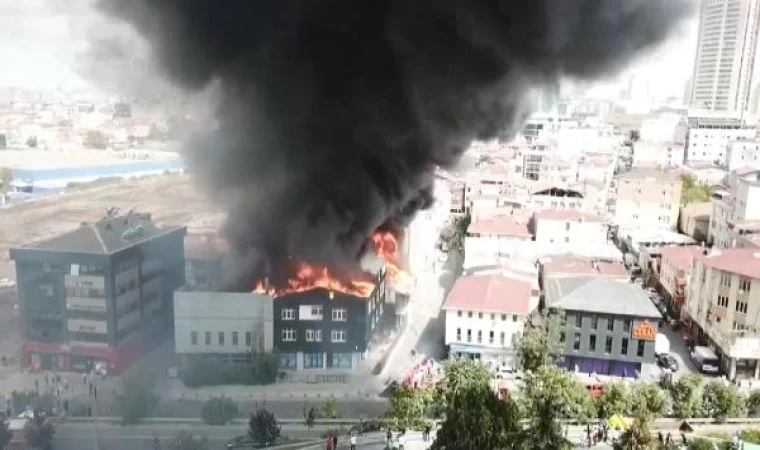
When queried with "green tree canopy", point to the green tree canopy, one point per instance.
{"points": [[540, 343], [136, 399], [693, 192], [184, 440], [647, 400], [39, 432], [686, 399], [721, 400], [263, 427], [219, 411], [615, 399], [407, 406], [549, 394], [639, 436], [753, 403], [474, 417]]}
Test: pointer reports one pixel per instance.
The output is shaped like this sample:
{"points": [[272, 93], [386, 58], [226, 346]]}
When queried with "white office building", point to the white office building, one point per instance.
{"points": [[708, 138]]}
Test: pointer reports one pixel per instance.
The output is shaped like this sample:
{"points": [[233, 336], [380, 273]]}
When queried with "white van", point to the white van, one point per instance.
{"points": [[706, 360]]}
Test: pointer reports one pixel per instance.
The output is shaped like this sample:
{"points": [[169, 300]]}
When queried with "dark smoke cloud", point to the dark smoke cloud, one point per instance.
{"points": [[334, 113]]}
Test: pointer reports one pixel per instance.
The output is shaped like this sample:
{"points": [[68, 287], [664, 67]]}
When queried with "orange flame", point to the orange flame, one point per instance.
{"points": [[386, 247], [309, 277]]}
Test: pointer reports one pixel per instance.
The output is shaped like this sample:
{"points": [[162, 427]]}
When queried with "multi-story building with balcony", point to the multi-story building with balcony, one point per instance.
{"points": [[101, 294], [723, 308], [674, 265], [647, 198], [735, 209]]}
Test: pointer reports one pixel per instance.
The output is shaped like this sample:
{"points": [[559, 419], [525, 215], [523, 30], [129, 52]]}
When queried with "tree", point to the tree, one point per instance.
{"points": [[550, 394], [648, 400], [309, 417], [184, 440], [407, 406], [136, 399], [686, 399], [268, 367], [475, 418], [615, 399], [263, 428], [39, 432], [638, 436], [454, 233], [157, 443], [330, 409], [95, 139], [753, 402], [541, 344], [721, 400], [5, 433], [693, 192], [219, 411]]}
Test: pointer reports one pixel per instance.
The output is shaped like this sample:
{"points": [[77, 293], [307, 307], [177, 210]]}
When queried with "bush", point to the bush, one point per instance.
{"points": [[330, 409], [219, 411], [263, 427], [200, 372], [721, 400], [136, 399], [752, 436]]}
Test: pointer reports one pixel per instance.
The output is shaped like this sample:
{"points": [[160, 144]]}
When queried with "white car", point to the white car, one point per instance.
{"points": [[504, 372]]}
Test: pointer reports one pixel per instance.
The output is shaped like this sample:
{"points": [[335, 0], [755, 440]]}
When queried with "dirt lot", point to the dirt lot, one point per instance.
{"points": [[171, 199]]}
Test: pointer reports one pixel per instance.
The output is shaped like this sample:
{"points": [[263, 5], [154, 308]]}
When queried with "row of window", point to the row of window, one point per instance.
{"points": [[220, 338], [592, 345], [744, 283], [291, 335], [502, 337], [338, 314], [595, 323], [315, 360], [504, 317]]}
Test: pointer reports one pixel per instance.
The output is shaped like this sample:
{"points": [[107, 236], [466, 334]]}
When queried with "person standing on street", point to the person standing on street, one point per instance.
{"points": [[335, 442], [353, 441]]}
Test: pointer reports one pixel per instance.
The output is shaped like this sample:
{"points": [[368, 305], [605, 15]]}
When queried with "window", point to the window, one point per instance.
{"points": [[288, 314], [234, 338], [723, 301], [610, 324], [469, 314], [480, 336], [514, 317], [480, 315], [594, 322], [338, 336], [313, 360], [567, 239], [339, 315], [503, 317], [627, 326], [577, 341], [207, 338], [592, 343], [459, 335], [567, 226], [640, 349], [289, 335], [248, 338], [469, 335], [741, 307], [608, 345], [289, 360], [313, 335], [221, 338], [459, 313], [193, 338], [624, 347], [578, 320], [341, 360], [725, 279], [490, 337], [502, 338], [493, 316], [744, 284]]}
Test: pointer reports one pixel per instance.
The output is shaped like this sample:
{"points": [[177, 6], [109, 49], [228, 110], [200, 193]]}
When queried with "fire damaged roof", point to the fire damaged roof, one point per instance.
{"points": [[490, 293], [106, 236]]}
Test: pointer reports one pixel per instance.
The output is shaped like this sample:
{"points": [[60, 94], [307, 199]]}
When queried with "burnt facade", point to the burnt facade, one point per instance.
{"points": [[321, 329]]}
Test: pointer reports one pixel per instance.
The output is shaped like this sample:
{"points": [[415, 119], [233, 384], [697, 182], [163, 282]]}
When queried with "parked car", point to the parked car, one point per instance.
{"points": [[667, 361], [504, 372]]}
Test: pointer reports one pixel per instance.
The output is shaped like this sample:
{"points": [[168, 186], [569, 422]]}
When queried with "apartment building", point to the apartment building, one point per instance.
{"points": [[694, 220], [609, 328], [735, 209], [743, 153], [675, 263], [723, 306], [228, 327], [422, 234], [98, 294], [489, 240], [320, 329], [647, 198], [572, 266], [568, 230], [708, 138], [485, 317], [649, 153], [725, 55]]}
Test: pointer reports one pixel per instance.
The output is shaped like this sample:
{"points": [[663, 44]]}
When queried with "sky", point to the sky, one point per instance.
{"points": [[42, 41]]}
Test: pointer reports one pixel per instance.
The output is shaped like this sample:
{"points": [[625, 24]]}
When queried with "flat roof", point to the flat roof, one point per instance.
{"points": [[599, 295]]}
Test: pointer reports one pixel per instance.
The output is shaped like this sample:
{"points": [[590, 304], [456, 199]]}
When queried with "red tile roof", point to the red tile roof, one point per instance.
{"points": [[490, 293], [680, 256], [568, 215], [578, 265], [746, 170], [500, 226], [741, 261]]}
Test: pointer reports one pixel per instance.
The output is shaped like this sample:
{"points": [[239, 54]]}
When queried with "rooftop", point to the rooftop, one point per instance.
{"points": [[568, 215], [746, 170], [106, 236], [500, 226], [741, 261], [697, 209], [599, 295], [681, 255], [574, 265], [650, 174], [490, 293]]}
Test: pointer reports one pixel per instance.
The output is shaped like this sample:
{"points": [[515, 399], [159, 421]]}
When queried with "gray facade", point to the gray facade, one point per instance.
{"points": [[610, 335]]}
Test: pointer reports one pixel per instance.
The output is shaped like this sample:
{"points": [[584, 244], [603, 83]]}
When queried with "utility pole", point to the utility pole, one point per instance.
{"points": [[95, 437]]}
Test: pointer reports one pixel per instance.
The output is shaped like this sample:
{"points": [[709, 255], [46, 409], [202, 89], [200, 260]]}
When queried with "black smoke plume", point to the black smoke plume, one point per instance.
{"points": [[333, 114]]}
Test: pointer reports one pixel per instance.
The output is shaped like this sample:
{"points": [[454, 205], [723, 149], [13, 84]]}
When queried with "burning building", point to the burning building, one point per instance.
{"points": [[321, 328]]}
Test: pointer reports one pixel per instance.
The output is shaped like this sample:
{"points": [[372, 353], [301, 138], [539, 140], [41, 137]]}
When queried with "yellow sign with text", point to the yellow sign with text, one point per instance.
{"points": [[644, 331]]}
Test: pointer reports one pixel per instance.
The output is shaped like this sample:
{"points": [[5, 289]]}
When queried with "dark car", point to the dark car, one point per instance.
{"points": [[667, 361]]}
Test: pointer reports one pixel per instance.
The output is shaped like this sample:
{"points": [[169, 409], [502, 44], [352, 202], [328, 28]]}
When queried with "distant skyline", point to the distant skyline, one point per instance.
{"points": [[40, 41]]}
